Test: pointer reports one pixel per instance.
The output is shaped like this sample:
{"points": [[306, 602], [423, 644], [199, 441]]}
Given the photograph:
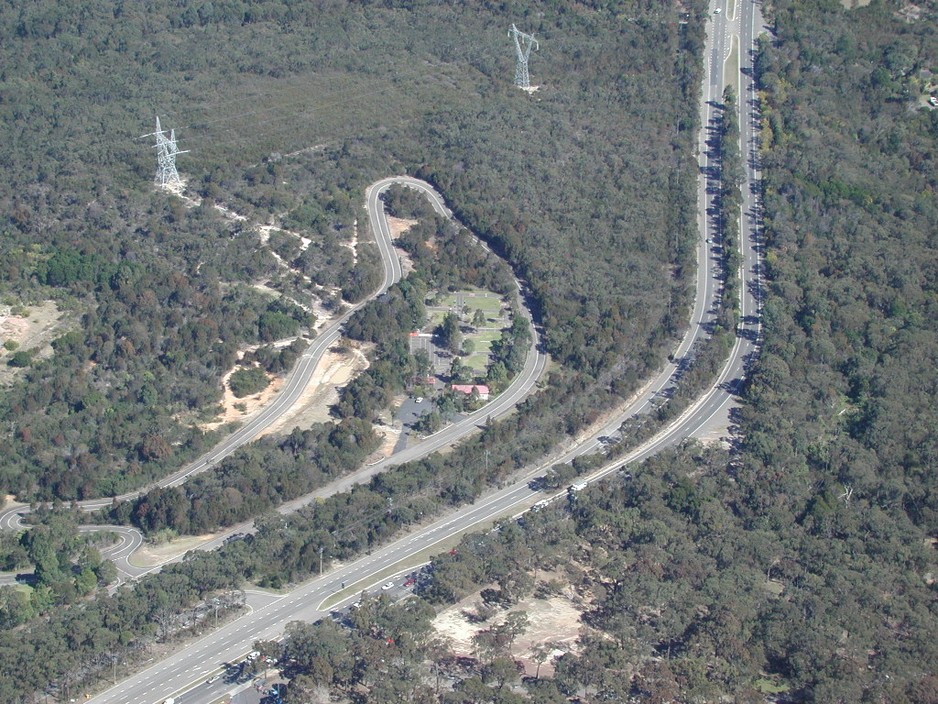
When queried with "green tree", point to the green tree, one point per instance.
{"points": [[245, 382], [448, 334], [21, 358]]}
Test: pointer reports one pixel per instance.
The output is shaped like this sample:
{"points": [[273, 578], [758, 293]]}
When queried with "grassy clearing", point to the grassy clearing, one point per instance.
{"points": [[478, 361], [495, 321], [769, 687], [485, 337], [492, 306], [434, 318], [731, 67], [491, 303]]}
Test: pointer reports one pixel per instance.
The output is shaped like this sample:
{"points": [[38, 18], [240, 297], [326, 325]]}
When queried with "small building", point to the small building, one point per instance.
{"points": [[467, 389]]}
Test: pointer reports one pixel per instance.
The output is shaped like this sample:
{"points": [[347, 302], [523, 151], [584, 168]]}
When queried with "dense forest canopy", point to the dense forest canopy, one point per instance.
{"points": [[803, 566], [289, 111]]}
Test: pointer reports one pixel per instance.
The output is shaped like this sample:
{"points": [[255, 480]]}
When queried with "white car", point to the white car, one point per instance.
{"points": [[718, 11], [386, 586], [419, 399], [213, 679]]}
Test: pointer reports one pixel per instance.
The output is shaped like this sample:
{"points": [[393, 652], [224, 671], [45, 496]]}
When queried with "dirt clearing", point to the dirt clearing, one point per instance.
{"points": [[336, 368], [151, 555], [32, 328], [399, 226], [239, 409], [554, 621]]}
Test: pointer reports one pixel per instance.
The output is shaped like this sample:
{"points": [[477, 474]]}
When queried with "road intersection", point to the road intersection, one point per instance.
{"points": [[183, 673]]}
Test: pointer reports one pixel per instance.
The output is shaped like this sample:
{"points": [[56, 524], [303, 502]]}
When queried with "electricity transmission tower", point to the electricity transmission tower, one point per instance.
{"points": [[166, 151], [523, 44]]}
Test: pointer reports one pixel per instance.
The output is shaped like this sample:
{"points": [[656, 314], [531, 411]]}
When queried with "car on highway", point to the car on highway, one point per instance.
{"points": [[386, 586], [718, 11], [213, 679]]}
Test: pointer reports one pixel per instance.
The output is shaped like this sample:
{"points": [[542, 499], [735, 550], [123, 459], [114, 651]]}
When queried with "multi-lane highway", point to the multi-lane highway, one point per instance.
{"points": [[299, 377], [521, 386], [184, 673]]}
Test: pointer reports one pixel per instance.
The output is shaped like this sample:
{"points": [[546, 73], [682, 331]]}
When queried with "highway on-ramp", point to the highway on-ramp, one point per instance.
{"points": [[298, 379], [183, 674]]}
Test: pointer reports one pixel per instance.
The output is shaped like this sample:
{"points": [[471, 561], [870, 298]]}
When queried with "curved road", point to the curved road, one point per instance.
{"points": [[297, 380], [183, 673]]}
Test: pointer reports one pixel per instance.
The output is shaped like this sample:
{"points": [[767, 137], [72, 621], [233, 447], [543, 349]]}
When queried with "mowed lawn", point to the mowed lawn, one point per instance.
{"points": [[495, 321], [489, 303]]}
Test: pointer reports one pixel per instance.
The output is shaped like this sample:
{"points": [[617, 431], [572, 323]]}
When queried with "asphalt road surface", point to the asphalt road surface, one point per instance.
{"points": [[521, 386], [184, 674], [297, 379]]}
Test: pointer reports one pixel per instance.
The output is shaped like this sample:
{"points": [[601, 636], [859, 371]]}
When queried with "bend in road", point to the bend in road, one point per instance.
{"points": [[177, 672]]}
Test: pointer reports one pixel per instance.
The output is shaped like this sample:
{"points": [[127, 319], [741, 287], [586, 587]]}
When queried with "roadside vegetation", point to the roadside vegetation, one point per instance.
{"points": [[245, 382], [731, 177], [166, 289], [590, 204], [802, 567]]}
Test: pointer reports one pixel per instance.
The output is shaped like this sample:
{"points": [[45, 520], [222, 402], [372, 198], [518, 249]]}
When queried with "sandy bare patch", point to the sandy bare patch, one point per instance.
{"points": [[391, 434], [353, 244], [150, 555], [554, 620], [399, 226], [313, 305], [909, 13], [265, 230], [264, 288], [34, 331], [248, 405], [335, 369], [30, 330]]}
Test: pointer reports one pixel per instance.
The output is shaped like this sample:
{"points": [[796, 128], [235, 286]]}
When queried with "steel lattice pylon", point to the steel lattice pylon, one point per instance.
{"points": [[523, 45], [166, 151]]}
